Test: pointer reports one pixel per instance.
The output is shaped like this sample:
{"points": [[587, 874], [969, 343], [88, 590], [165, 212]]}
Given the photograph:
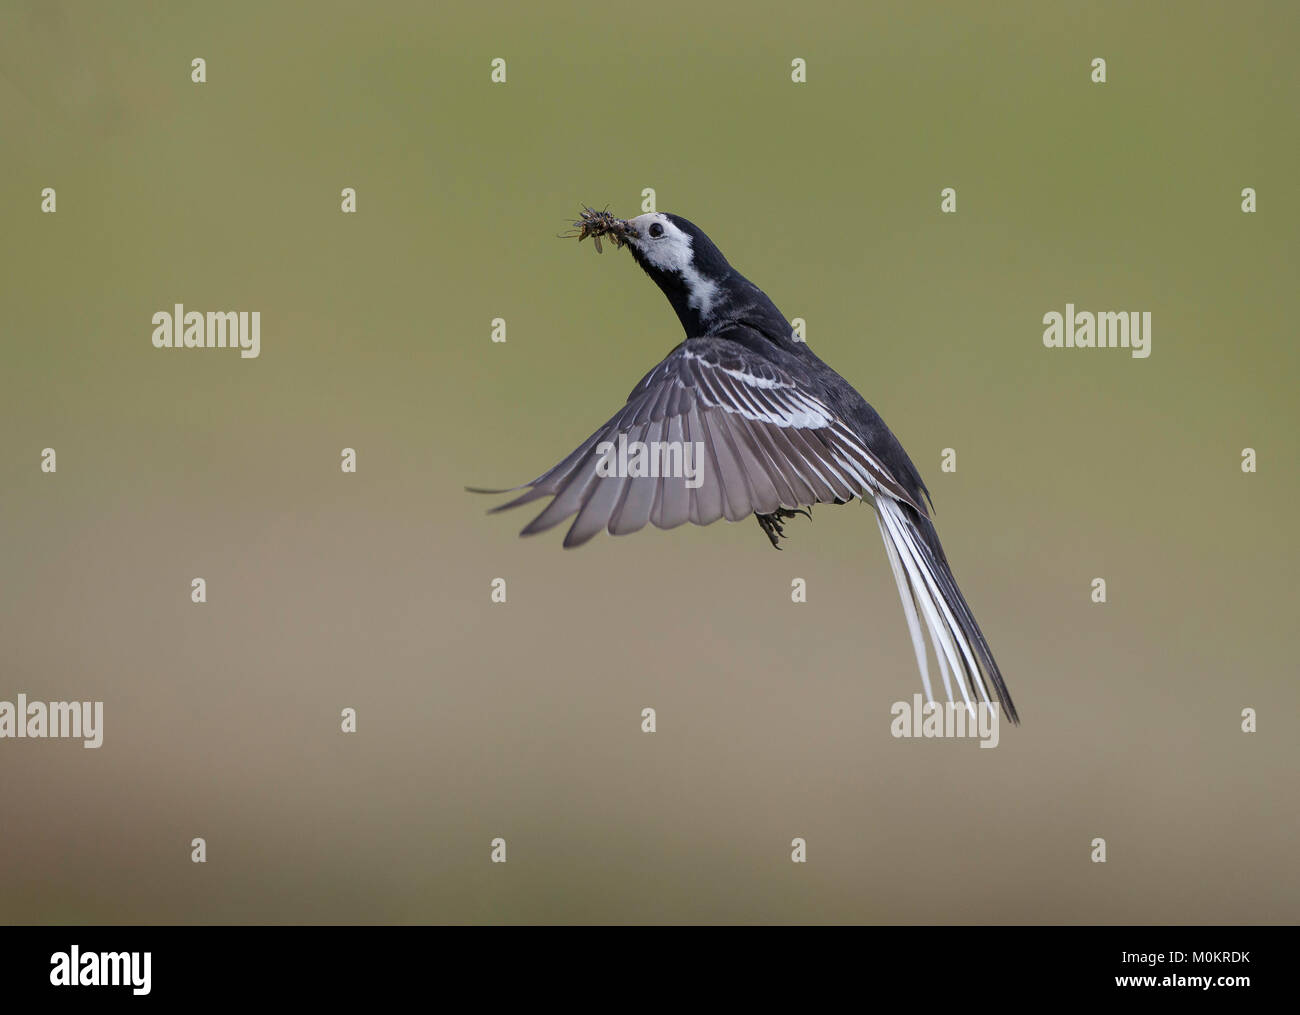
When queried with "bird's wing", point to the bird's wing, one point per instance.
{"points": [[750, 438]]}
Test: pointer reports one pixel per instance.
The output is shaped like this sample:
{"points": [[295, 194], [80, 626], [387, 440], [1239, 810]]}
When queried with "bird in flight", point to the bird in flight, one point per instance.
{"points": [[742, 418]]}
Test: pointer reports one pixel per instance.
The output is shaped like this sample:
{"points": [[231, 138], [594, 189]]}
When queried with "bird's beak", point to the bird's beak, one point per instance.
{"points": [[624, 230]]}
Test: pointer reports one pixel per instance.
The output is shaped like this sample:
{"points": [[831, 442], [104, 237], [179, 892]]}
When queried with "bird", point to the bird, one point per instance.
{"points": [[775, 430]]}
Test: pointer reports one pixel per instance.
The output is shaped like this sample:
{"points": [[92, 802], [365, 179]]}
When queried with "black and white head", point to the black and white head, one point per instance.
{"points": [[688, 267]]}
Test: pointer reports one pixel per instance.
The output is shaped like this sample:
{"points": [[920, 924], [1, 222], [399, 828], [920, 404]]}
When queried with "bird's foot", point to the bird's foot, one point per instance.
{"points": [[773, 525]]}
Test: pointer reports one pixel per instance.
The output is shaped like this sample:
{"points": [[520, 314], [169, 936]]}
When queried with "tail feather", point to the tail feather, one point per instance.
{"points": [[909, 610], [929, 594]]}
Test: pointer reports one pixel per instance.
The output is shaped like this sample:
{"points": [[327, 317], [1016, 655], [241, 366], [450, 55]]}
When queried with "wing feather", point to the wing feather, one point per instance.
{"points": [[759, 435]]}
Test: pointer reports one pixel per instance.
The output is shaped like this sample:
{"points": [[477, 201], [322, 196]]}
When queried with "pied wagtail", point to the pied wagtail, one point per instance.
{"points": [[779, 431]]}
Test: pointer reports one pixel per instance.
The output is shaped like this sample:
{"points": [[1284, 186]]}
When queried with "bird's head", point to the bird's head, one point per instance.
{"points": [[706, 291], [685, 264]]}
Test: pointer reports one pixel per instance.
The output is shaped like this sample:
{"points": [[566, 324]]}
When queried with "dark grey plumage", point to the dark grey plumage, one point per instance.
{"points": [[779, 431], [752, 464]]}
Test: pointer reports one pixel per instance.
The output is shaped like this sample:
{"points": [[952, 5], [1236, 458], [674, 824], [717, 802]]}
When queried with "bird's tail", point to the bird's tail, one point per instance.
{"points": [[931, 597]]}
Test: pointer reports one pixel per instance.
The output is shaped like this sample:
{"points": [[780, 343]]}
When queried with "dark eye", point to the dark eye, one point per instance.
{"points": [[656, 230]]}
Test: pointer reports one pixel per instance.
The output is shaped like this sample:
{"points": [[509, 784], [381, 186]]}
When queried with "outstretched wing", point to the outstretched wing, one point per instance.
{"points": [[736, 434], [760, 440]]}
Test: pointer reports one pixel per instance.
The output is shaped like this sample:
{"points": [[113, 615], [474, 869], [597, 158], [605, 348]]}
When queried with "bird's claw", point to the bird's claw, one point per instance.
{"points": [[773, 525]]}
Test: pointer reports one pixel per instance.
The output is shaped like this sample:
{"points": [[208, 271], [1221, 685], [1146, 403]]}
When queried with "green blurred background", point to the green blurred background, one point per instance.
{"points": [[522, 720]]}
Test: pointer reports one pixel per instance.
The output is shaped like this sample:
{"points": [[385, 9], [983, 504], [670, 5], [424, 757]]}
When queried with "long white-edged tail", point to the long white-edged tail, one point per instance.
{"points": [[931, 598]]}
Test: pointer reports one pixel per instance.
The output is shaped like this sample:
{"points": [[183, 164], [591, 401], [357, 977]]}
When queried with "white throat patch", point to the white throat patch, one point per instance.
{"points": [[671, 251]]}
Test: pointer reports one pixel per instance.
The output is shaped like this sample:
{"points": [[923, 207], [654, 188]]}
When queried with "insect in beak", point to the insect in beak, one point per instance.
{"points": [[596, 224]]}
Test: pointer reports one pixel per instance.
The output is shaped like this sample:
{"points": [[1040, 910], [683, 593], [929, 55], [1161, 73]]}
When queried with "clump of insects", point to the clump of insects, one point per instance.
{"points": [[596, 224]]}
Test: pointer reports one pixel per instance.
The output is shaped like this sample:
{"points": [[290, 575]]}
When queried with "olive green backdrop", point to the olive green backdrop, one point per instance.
{"points": [[522, 720]]}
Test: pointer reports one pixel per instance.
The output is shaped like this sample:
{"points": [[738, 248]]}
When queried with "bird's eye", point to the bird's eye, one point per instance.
{"points": [[656, 230]]}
